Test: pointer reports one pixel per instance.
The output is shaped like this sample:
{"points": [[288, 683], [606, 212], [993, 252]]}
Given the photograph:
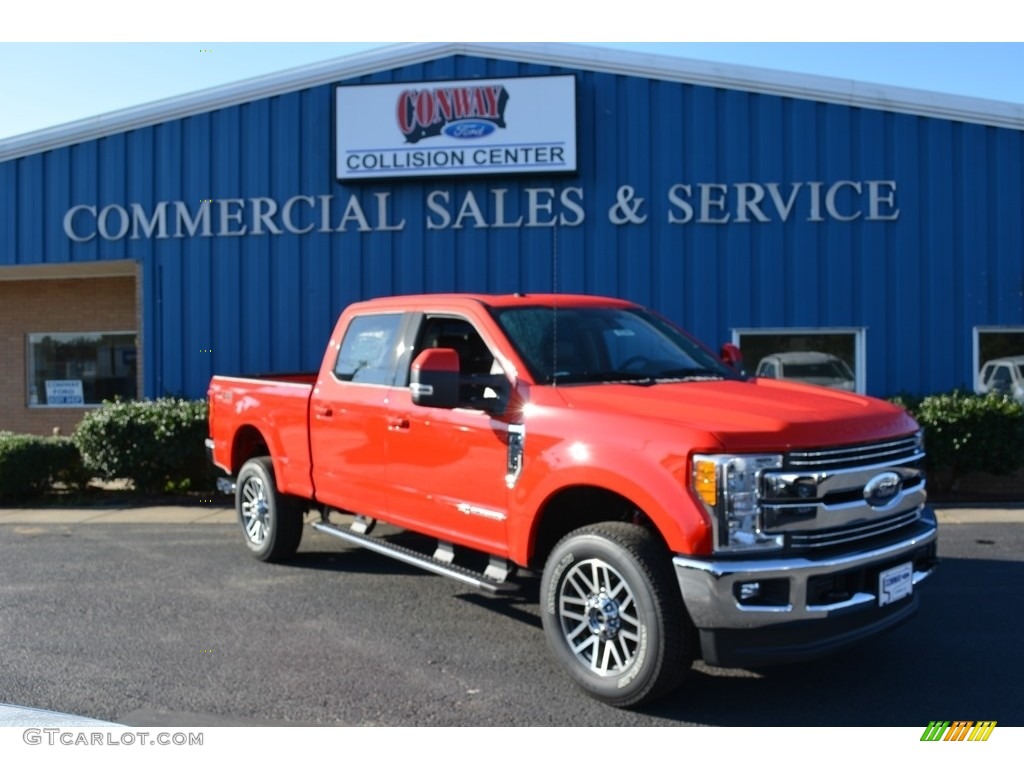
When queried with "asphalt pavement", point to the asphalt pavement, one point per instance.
{"points": [[160, 616]]}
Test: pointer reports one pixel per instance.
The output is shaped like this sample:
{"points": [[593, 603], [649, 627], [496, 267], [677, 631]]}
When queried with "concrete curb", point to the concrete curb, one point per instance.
{"points": [[170, 515], [959, 515]]}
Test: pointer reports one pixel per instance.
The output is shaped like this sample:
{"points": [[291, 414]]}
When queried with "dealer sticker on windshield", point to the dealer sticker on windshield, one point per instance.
{"points": [[895, 583]]}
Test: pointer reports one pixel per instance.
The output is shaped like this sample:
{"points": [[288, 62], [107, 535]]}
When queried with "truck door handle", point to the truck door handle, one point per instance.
{"points": [[323, 411], [396, 423]]}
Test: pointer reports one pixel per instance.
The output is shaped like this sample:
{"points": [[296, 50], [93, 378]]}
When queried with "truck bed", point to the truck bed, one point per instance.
{"points": [[274, 405]]}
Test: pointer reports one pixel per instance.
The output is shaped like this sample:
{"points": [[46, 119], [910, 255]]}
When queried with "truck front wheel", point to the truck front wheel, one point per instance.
{"points": [[613, 615], [271, 521]]}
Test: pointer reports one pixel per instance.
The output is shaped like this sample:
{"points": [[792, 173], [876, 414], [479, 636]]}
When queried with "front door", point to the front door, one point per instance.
{"points": [[446, 467]]}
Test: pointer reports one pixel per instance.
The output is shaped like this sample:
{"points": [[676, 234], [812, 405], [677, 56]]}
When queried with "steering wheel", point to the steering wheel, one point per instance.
{"points": [[636, 362]]}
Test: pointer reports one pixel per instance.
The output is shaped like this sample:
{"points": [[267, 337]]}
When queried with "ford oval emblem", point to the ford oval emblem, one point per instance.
{"points": [[881, 489], [468, 129]]}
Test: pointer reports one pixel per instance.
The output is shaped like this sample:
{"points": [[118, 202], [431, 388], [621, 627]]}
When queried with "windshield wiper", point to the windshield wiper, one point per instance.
{"points": [[603, 377], [688, 374], [635, 378]]}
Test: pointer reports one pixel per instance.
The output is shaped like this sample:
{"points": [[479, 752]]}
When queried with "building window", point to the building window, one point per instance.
{"points": [[999, 360], [76, 369], [829, 357]]}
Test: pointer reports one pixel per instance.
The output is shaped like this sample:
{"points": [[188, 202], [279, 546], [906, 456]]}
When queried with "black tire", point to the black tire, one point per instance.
{"points": [[613, 614], [271, 521]]}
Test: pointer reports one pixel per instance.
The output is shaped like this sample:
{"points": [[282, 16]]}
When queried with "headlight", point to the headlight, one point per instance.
{"points": [[728, 486]]}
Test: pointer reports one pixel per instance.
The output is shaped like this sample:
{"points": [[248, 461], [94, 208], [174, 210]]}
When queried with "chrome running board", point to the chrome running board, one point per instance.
{"points": [[426, 562]]}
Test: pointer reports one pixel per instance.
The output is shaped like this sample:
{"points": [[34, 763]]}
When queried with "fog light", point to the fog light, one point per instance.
{"points": [[765, 593], [750, 590]]}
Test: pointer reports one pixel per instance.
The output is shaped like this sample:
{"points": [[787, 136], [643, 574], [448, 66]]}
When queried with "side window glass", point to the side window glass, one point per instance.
{"points": [[1002, 378], [367, 354], [477, 366], [460, 335]]}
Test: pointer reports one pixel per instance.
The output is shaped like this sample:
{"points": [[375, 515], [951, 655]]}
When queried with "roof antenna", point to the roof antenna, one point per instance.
{"points": [[554, 306]]}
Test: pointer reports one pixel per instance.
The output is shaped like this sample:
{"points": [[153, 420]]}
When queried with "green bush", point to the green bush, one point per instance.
{"points": [[30, 465], [157, 444], [966, 433], [907, 402]]}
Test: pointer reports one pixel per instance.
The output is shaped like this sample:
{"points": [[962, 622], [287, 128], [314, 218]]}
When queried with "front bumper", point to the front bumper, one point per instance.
{"points": [[801, 607]]}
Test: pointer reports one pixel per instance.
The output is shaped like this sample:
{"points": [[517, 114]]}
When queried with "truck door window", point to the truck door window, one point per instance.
{"points": [[477, 365], [367, 354], [1002, 380]]}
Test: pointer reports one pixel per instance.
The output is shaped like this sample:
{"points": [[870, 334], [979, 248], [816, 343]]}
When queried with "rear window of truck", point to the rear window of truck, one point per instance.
{"points": [[367, 354]]}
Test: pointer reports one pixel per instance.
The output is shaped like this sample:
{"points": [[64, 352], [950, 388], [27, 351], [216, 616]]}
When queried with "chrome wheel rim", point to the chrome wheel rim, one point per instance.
{"points": [[255, 510], [599, 617]]}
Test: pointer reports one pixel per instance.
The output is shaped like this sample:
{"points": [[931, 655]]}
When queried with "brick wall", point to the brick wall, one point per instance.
{"points": [[54, 305]]}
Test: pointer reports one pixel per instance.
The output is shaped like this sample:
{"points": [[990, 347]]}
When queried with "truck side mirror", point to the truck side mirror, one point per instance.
{"points": [[732, 356], [434, 378]]}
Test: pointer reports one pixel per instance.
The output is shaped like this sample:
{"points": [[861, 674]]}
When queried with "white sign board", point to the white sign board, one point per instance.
{"points": [[64, 392], [456, 128]]}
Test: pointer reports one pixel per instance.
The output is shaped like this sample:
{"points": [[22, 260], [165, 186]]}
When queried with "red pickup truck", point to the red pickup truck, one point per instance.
{"points": [[674, 507]]}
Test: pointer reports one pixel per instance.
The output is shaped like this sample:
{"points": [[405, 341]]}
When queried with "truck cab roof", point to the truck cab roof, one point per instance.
{"points": [[436, 301]]}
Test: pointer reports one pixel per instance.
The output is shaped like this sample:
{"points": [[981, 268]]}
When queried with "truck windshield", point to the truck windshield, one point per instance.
{"points": [[605, 344]]}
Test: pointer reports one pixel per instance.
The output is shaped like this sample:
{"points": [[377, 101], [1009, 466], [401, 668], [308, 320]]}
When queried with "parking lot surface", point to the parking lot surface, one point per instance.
{"points": [[161, 617]]}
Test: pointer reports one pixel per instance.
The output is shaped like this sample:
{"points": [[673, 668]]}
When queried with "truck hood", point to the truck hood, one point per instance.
{"points": [[753, 415]]}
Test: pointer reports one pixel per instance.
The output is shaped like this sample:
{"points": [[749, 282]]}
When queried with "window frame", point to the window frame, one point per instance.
{"points": [[859, 334], [976, 361]]}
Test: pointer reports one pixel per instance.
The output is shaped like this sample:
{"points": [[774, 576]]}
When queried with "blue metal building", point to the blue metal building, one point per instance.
{"points": [[783, 212]]}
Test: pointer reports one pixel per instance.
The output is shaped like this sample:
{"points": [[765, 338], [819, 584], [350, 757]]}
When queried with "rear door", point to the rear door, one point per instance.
{"points": [[348, 415], [446, 467]]}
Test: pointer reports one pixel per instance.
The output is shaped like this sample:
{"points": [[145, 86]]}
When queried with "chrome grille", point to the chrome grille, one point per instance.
{"points": [[819, 499], [899, 451], [831, 537]]}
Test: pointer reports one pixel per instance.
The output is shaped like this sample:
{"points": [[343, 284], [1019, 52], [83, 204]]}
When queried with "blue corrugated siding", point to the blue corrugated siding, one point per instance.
{"points": [[953, 260], [56, 193], [225, 335], [83, 168], [9, 213], [29, 226], [1009, 226]]}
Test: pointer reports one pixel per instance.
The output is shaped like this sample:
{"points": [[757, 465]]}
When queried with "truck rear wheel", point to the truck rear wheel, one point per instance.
{"points": [[613, 615], [271, 521]]}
